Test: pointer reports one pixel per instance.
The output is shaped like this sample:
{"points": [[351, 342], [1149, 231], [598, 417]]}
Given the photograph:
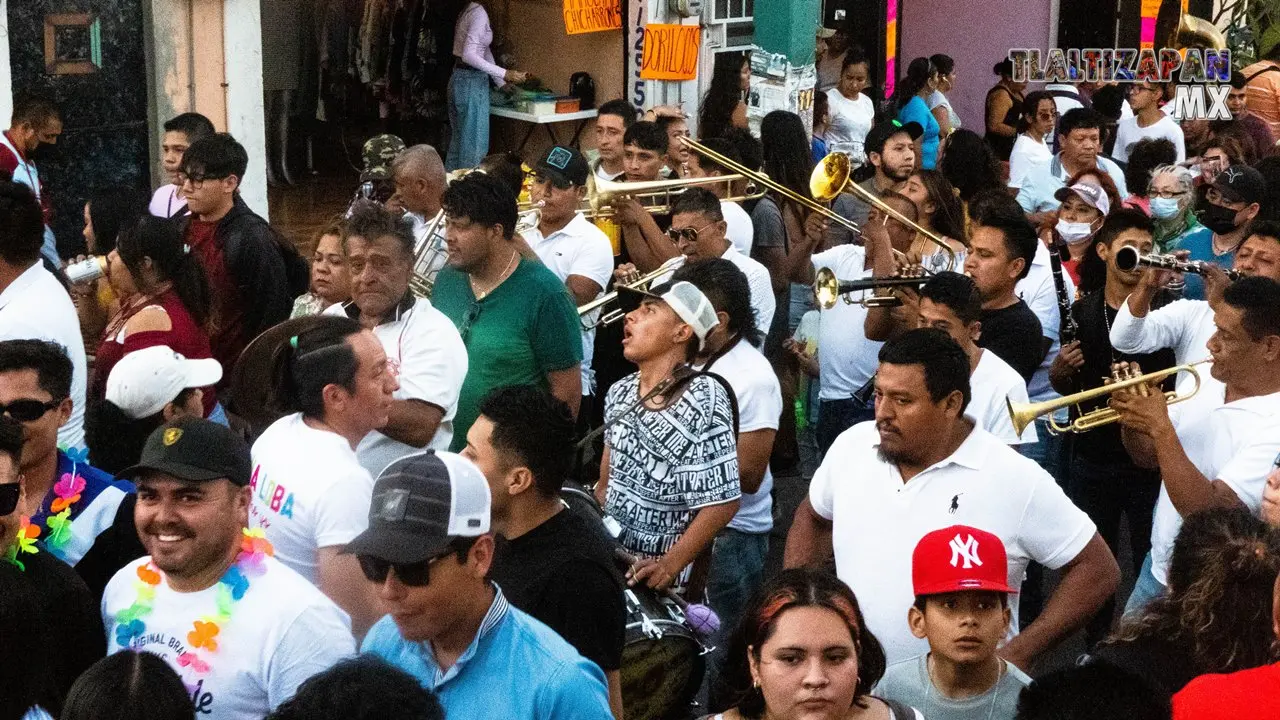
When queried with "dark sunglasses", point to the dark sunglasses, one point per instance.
{"points": [[689, 234], [472, 314], [416, 574], [28, 410], [9, 493]]}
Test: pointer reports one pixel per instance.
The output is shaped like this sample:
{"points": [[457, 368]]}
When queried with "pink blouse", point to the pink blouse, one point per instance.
{"points": [[471, 40]]}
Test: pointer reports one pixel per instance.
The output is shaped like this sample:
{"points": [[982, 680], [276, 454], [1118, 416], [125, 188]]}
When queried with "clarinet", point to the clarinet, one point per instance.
{"points": [[1067, 329]]}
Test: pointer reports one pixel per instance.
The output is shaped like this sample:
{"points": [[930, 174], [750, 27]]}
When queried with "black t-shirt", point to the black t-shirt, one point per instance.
{"points": [[1165, 665], [114, 548], [1103, 445], [1014, 335], [563, 573], [50, 629]]}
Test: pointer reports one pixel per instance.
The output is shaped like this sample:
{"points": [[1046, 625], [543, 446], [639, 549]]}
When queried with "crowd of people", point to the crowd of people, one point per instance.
{"points": [[502, 451]]}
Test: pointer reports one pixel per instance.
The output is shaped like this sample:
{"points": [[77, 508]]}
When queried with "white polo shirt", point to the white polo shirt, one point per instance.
{"points": [[1183, 325], [763, 301], [741, 231], [35, 306], [755, 386], [426, 353], [991, 383], [846, 358], [309, 492], [877, 520], [578, 248], [1235, 442], [1040, 293]]}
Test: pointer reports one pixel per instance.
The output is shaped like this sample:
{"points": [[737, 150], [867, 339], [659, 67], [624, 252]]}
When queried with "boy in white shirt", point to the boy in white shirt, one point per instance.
{"points": [[1148, 121]]}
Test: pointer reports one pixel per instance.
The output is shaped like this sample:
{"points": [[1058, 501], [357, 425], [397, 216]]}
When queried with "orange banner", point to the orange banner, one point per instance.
{"points": [[671, 52], [586, 16]]}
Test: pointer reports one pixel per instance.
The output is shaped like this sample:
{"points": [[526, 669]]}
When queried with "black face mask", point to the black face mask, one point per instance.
{"points": [[1220, 220], [44, 153]]}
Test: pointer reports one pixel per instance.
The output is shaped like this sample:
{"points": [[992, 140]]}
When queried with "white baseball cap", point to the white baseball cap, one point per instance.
{"points": [[688, 303], [146, 380], [1091, 193]]}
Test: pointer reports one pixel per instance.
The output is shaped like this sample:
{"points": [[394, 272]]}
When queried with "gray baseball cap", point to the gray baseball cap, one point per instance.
{"points": [[421, 503]]}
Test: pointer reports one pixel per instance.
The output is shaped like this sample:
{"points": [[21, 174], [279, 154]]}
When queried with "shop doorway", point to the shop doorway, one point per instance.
{"points": [[96, 72], [866, 22]]}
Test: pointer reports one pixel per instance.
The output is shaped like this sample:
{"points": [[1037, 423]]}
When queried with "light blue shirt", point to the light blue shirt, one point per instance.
{"points": [[1044, 179], [516, 668], [918, 112]]}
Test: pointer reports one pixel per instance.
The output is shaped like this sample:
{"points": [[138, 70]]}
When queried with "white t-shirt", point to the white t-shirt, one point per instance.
{"points": [[850, 122], [740, 232], [35, 306], [166, 202], [426, 353], [282, 632], [579, 248], [309, 492], [877, 520], [1183, 325], [1129, 132], [759, 396], [1026, 154], [991, 383], [1235, 442], [846, 358], [938, 98], [763, 301], [1064, 104], [1039, 291]]}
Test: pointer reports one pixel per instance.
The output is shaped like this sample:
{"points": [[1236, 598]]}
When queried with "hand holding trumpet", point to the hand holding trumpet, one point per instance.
{"points": [[1142, 408]]}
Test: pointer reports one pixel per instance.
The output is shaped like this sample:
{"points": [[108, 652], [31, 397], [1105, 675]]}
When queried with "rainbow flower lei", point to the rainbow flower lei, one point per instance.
{"points": [[24, 543], [130, 622]]}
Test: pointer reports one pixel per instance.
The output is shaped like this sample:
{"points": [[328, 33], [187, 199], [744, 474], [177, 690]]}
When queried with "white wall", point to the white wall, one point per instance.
{"points": [[242, 30], [6, 77]]}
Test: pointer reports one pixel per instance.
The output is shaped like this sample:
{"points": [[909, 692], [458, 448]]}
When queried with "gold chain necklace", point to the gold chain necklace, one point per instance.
{"points": [[483, 294]]}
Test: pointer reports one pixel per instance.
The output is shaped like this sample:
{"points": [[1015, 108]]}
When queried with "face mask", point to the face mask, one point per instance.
{"points": [[1164, 208], [1074, 233], [1219, 219]]}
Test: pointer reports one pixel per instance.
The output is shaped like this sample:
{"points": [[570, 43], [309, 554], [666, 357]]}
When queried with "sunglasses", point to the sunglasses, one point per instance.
{"points": [[688, 234], [28, 410], [472, 314], [9, 493], [416, 574]]}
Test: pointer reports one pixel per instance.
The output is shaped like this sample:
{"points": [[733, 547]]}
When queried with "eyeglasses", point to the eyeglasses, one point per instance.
{"points": [[1168, 194], [9, 493], [688, 234], [472, 314], [195, 180], [416, 574], [28, 410]]}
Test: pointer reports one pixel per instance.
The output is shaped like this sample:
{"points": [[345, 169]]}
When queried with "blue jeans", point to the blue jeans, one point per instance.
{"points": [[1145, 589], [840, 415], [737, 571], [468, 118]]}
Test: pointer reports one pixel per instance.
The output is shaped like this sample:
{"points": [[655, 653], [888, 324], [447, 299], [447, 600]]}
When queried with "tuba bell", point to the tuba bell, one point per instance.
{"points": [[1177, 29]]}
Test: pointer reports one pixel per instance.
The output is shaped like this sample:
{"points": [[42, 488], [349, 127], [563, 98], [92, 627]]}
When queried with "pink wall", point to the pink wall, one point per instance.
{"points": [[977, 37]]}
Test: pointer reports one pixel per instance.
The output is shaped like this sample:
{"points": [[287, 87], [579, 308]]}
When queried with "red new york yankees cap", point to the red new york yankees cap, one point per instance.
{"points": [[959, 558]]}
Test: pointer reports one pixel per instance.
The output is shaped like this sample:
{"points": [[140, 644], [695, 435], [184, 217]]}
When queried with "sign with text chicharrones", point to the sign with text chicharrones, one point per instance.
{"points": [[671, 52], [585, 16]]}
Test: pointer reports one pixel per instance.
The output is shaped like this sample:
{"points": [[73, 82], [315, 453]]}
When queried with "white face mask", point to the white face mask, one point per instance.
{"points": [[1074, 233]]}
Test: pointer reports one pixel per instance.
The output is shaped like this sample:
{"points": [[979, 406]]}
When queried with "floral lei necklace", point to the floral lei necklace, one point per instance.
{"points": [[130, 622], [24, 543]]}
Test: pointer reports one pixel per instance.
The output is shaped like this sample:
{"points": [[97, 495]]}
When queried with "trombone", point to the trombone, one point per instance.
{"points": [[828, 289], [1022, 414], [639, 283], [1129, 259], [657, 196]]}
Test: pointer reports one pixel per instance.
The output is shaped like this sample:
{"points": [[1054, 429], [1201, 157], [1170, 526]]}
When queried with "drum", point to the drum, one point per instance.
{"points": [[662, 660]]}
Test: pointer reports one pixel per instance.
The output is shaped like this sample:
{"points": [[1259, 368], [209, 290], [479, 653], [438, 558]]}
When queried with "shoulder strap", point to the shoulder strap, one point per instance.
{"points": [[728, 389], [1269, 68], [900, 710]]}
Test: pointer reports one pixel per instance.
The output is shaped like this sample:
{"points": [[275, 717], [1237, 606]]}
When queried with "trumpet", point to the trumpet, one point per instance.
{"points": [[1129, 259], [1022, 414], [657, 196], [828, 289], [640, 283]]}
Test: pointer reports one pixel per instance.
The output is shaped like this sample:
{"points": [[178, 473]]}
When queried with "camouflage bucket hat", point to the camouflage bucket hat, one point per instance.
{"points": [[379, 152]]}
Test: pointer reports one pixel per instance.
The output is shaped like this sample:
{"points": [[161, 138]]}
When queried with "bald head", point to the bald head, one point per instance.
{"points": [[420, 180]]}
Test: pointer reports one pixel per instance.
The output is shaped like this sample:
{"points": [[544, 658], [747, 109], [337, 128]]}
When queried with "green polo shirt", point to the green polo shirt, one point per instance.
{"points": [[527, 327]]}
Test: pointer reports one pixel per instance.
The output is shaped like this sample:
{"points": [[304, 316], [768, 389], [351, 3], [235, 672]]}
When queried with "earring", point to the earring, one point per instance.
{"points": [[755, 683]]}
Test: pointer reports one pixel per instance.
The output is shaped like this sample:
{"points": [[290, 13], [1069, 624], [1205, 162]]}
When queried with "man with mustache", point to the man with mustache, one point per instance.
{"points": [[922, 466], [240, 628]]}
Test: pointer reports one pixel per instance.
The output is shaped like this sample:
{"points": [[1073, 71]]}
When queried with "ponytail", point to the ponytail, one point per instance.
{"points": [[172, 260], [918, 74], [306, 363]]}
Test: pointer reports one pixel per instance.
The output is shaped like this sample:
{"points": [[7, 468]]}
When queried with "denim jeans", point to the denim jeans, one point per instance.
{"points": [[1145, 589], [468, 118], [840, 415], [737, 571]]}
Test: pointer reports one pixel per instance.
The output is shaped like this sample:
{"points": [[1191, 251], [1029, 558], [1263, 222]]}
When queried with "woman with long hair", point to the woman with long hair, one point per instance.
{"points": [[1035, 128], [724, 106], [940, 213], [168, 303], [851, 112], [1216, 615], [909, 103], [1172, 198], [968, 164], [1004, 109], [939, 105], [106, 213], [803, 650]]}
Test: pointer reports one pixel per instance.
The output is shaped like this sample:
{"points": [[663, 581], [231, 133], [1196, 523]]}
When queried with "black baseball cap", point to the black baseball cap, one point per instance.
{"points": [[1241, 183], [564, 166], [194, 449], [421, 504], [886, 129]]}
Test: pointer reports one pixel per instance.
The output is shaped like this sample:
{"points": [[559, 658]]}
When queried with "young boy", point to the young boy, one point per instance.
{"points": [[962, 608], [179, 133]]}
